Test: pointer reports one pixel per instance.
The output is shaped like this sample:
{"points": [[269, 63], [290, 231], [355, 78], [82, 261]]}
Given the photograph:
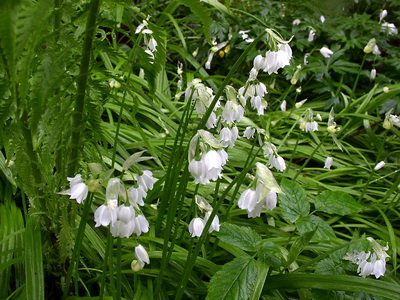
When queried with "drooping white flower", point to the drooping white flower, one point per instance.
{"points": [[141, 225], [229, 136], [382, 15], [283, 105], [152, 45], [376, 50], [373, 74], [78, 189], [248, 199], [328, 162], [138, 194], [212, 121], [269, 149], [379, 166], [296, 22], [142, 255], [146, 180], [125, 223], [274, 60], [198, 169], [258, 62], [326, 52], [233, 112], [322, 19], [389, 28], [277, 162], [215, 222], [106, 214], [196, 226], [249, 132], [311, 35], [114, 188]]}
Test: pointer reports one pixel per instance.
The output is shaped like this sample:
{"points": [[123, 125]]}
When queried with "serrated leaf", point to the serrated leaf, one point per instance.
{"points": [[244, 238], [294, 203], [235, 280], [337, 202], [322, 230]]}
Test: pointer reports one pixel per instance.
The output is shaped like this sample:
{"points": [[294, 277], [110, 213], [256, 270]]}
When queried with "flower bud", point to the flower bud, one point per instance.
{"points": [[370, 46]]}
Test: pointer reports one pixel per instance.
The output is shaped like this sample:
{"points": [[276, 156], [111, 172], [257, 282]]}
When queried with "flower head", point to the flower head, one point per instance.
{"points": [[326, 52], [141, 255]]}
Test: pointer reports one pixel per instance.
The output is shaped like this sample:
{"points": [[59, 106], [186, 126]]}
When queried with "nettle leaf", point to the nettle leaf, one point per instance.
{"points": [[322, 230], [337, 202], [244, 238], [294, 203], [235, 280]]}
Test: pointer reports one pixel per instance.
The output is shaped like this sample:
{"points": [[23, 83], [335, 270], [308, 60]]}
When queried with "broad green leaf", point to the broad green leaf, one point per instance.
{"points": [[298, 246], [235, 280], [294, 203], [322, 230], [328, 266], [244, 238], [337, 202]]}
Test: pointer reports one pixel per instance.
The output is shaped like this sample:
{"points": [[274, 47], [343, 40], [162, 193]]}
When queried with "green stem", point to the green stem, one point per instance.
{"points": [[118, 287], [109, 246], [78, 244], [78, 121], [358, 74], [310, 157]]}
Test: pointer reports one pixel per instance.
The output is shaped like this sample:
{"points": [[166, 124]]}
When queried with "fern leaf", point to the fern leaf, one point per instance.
{"points": [[202, 13]]}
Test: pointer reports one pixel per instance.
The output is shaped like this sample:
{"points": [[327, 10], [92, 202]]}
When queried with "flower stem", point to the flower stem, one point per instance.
{"points": [[78, 121], [78, 244]]}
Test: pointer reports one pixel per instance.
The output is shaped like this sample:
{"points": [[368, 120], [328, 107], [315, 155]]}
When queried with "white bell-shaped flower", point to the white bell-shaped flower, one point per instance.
{"points": [[248, 199], [138, 194], [142, 255], [105, 214], [146, 180], [141, 225], [196, 226], [78, 189], [215, 222]]}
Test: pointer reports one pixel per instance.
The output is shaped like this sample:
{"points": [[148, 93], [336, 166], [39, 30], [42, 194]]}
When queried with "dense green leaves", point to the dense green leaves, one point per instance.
{"points": [[235, 280], [337, 202], [244, 238], [310, 223], [293, 202]]}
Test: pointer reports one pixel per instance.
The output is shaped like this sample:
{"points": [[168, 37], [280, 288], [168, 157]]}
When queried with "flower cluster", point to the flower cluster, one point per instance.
{"points": [[370, 264], [196, 225], [209, 167], [150, 42], [263, 196], [124, 220]]}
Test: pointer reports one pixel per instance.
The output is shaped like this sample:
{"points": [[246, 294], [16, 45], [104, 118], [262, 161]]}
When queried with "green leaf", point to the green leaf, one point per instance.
{"points": [[201, 12], [298, 246], [322, 230], [337, 202], [235, 280], [244, 238], [294, 202], [271, 254], [34, 260], [334, 282]]}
